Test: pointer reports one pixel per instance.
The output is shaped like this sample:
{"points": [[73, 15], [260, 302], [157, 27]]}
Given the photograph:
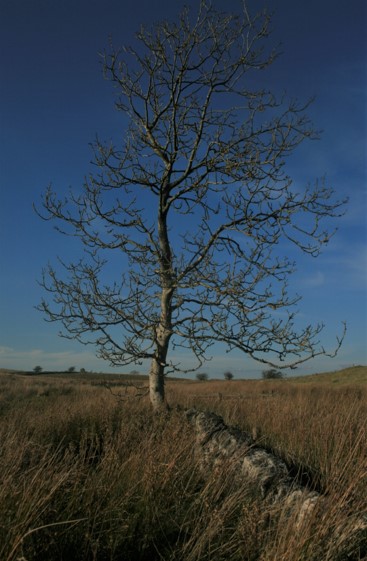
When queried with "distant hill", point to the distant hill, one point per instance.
{"points": [[352, 375]]}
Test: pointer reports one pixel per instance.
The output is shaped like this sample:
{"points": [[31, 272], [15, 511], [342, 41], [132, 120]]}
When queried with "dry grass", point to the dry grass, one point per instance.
{"points": [[348, 376], [87, 476]]}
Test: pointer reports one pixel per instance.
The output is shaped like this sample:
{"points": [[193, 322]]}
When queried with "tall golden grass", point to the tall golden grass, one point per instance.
{"points": [[89, 474]]}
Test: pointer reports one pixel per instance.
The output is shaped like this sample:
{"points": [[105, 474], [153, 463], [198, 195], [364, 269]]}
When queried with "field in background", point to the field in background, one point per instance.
{"points": [[351, 375], [89, 473]]}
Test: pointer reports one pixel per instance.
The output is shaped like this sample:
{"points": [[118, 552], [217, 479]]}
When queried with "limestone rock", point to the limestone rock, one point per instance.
{"points": [[270, 477]]}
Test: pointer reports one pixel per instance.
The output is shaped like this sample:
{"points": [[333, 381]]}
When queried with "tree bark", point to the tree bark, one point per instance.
{"points": [[163, 331], [156, 386], [162, 338], [156, 375]]}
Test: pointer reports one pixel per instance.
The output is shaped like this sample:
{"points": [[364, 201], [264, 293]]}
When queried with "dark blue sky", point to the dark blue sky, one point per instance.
{"points": [[54, 100]]}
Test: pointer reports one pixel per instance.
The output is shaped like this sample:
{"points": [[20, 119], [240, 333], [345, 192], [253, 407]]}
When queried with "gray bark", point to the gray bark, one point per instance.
{"points": [[156, 385], [163, 331]]}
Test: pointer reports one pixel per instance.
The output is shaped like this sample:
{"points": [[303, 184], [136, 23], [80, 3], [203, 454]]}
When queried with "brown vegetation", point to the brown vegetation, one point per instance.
{"points": [[91, 474]]}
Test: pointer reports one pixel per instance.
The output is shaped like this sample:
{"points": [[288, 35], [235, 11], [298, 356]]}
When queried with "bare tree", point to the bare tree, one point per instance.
{"points": [[272, 374], [190, 209]]}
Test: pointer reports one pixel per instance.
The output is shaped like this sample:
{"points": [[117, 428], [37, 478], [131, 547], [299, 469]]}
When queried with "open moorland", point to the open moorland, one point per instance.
{"points": [[88, 472]]}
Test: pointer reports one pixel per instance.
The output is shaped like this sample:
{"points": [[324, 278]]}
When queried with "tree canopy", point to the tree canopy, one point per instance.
{"points": [[192, 206]]}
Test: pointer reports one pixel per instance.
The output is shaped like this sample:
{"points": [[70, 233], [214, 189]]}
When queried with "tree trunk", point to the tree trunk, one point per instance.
{"points": [[162, 338], [163, 330], [156, 385]]}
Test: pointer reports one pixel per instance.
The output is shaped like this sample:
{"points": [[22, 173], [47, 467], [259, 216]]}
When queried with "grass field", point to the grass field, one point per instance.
{"points": [[348, 376], [89, 473]]}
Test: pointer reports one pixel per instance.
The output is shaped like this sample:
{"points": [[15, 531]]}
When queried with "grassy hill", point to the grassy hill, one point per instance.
{"points": [[352, 375]]}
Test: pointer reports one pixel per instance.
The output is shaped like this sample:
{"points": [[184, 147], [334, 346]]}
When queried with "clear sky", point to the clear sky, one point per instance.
{"points": [[54, 100]]}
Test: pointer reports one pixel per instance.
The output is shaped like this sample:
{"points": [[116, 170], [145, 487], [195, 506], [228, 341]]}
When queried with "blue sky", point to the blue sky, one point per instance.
{"points": [[54, 100]]}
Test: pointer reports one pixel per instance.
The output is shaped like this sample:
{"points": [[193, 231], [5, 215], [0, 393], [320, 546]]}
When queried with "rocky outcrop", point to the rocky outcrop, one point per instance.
{"points": [[217, 443], [267, 473]]}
